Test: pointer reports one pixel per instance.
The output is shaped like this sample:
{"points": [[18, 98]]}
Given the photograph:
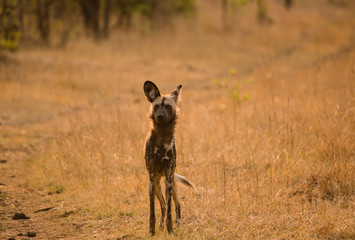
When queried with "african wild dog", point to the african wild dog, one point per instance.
{"points": [[160, 154]]}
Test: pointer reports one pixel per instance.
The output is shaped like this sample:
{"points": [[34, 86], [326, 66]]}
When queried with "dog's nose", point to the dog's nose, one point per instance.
{"points": [[160, 117]]}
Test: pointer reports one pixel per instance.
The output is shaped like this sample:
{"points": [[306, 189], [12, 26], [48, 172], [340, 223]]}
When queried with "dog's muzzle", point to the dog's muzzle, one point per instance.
{"points": [[160, 118]]}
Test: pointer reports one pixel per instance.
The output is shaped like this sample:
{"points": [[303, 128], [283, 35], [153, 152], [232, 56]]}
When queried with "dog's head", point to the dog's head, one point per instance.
{"points": [[164, 108]]}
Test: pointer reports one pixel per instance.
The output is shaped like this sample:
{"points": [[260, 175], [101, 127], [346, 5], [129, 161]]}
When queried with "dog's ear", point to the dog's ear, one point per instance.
{"points": [[176, 93], [151, 91]]}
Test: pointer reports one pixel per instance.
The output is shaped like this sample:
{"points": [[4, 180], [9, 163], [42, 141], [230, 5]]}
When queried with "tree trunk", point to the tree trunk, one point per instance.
{"points": [[43, 19], [20, 16], [288, 4], [107, 15], [90, 10]]}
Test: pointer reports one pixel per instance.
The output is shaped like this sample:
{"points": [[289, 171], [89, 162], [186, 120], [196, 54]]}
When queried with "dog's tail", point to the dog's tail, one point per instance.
{"points": [[185, 181]]}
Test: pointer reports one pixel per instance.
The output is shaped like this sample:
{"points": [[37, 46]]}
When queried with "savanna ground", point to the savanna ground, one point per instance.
{"points": [[266, 132]]}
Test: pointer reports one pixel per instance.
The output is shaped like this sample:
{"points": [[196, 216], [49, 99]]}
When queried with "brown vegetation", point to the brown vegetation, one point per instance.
{"points": [[271, 150]]}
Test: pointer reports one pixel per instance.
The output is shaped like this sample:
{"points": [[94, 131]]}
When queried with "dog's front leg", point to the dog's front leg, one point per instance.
{"points": [[168, 192], [151, 200]]}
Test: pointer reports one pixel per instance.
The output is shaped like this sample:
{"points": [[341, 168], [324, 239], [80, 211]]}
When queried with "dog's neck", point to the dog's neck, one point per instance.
{"points": [[163, 134]]}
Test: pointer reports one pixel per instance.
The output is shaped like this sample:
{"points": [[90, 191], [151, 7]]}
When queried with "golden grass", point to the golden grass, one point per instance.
{"points": [[278, 165]]}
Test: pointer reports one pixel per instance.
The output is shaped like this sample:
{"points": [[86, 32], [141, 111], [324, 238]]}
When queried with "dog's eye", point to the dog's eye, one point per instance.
{"points": [[156, 107], [168, 107]]}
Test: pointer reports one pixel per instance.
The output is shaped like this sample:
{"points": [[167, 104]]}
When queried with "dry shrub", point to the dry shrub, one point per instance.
{"points": [[328, 187]]}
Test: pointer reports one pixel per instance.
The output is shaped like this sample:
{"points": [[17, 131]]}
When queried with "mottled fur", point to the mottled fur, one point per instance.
{"points": [[160, 154]]}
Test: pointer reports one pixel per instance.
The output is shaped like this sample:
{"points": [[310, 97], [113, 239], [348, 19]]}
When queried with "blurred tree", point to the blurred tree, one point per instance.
{"points": [[43, 18], [106, 17], [65, 18], [21, 13], [288, 4], [125, 12], [156, 12], [90, 11], [340, 3], [60, 17], [9, 27], [262, 12]]}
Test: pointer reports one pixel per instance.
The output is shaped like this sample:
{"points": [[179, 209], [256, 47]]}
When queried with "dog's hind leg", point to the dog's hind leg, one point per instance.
{"points": [[160, 197], [168, 194], [177, 203]]}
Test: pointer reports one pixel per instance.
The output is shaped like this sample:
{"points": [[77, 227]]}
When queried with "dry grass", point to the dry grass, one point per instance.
{"points": [[278, 165]]}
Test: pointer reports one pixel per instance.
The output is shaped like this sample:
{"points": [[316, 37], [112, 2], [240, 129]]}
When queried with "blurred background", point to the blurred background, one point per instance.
{"points": [[266, 130], [56, 22]]}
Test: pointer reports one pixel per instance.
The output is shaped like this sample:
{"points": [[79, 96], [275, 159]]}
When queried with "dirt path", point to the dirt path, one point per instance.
{"points": [[40, 218]]}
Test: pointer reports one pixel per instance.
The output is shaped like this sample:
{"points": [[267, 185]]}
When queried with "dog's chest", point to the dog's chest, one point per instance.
{"points": [[163, 156]]}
